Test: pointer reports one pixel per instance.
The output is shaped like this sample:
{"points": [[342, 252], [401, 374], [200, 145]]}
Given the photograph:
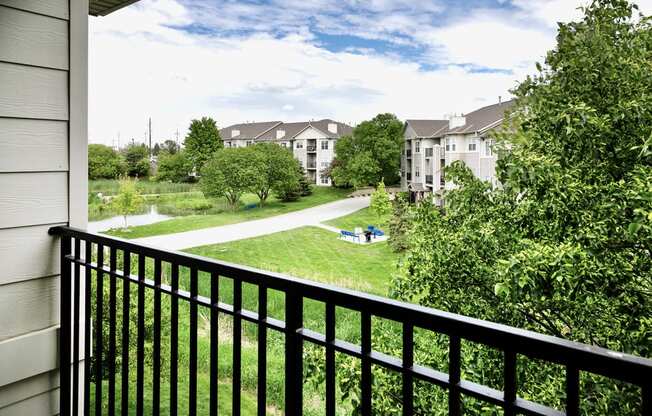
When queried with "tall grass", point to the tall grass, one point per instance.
{"points": [[110, 187]]}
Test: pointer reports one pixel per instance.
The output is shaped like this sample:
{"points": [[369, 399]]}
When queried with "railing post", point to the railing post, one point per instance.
{"points": [[64, 331], [293, 354]]}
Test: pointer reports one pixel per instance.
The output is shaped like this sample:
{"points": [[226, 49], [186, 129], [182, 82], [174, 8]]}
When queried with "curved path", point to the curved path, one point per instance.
{"points": [[256, 228]]}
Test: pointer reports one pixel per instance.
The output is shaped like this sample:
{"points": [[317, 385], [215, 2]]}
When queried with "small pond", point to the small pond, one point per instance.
{"points": [[150, 217]]}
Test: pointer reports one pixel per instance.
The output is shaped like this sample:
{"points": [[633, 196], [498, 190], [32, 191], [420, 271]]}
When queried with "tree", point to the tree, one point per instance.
{"points": [[228, 174], [156, 150], [291, 191], [128, 200], [276, 168], [400, 223], [564, 245], [104, 162], [380, 206], [371, 153], [137, 160], [173, 167], [170, 146], [202, 141]]}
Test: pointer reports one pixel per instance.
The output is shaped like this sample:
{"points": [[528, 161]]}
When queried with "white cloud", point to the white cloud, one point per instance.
{"points": [[142, 66]]}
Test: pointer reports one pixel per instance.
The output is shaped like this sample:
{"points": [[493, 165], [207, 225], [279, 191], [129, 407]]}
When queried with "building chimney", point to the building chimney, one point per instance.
{"points": [[280, 134], [456, 121], [500, 99], [332, 127]]}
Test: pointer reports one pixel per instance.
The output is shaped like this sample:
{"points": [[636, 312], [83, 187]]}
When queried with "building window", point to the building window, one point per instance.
{"points": [[284, 144], [417, 173], [324, 180], [417, 146], [228, 144], [324, 145], [249, 143], [488, 151], [473, 145], [451, 146], [299, 145]]}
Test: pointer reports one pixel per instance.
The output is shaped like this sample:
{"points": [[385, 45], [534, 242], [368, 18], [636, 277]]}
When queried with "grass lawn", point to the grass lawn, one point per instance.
{"points": [[320, 195], [309, 252], [312, 253], [361, 218]]}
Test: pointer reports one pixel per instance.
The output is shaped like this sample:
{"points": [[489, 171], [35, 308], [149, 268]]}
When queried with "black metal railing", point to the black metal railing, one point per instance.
{"points": [[408, 176], [429, 179], [311, 165], [511, 342]]}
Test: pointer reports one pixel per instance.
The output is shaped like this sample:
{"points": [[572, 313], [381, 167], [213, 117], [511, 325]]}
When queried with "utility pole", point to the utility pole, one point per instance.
{"points": [[150, 138]]}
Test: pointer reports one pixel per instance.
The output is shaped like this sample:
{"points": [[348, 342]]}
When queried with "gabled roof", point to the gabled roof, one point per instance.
{"points": [[483, 119], [294, 129], [104, 7], [248, 131], [290, 129], [427, 128]]}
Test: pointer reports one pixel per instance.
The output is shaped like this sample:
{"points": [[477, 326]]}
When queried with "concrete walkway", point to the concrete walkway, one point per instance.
{"points": [[256, 228]]}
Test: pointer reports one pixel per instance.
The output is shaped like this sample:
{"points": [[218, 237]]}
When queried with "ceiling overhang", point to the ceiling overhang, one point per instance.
{"points": [[104, 7]]}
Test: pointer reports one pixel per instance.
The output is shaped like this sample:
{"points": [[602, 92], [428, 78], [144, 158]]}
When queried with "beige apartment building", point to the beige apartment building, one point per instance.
{"points": [[431, 145], [311, 142]]}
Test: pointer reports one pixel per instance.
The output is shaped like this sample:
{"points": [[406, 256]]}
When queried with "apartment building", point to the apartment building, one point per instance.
{"points": [[431, 145], [311, 142]]}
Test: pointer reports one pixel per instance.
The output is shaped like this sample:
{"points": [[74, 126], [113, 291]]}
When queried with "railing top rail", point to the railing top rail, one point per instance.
{"points": [[621, 366]]}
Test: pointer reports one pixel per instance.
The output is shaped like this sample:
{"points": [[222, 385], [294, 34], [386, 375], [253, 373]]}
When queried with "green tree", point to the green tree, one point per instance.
{"points": [[371, 153], [276, 168], [202, 141], [381, 205], [173, 167], [170, 146], [104, 162], [229, 174], [563, 246], [400, 223], [128, 200], [137, 160], [289, 191]]}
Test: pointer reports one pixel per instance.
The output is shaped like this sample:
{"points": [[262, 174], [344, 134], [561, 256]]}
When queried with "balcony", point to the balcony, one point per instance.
{"points": [[408, 153], [101, 277], [429, 179], [408, 176], [311, 165], [429, 152]]}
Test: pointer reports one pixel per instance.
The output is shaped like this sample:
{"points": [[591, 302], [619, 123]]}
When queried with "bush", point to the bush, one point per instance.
{"points": [[173, 167], [104, 162]]}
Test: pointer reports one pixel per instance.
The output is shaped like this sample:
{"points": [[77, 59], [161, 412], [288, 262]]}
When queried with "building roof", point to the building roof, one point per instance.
{"points": [[294, 129], [427, 128], [483, 118], [104, 7], [290, 129], [248, 131]]}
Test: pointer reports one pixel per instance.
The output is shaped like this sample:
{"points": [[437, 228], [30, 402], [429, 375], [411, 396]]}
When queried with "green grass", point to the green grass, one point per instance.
{"points": [[145, 186], [312, 253], [309, 252], [320, 195], [361, 218]]}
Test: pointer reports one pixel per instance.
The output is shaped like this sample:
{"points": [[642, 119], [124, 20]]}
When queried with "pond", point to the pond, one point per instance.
{"points": [[150, 217]]}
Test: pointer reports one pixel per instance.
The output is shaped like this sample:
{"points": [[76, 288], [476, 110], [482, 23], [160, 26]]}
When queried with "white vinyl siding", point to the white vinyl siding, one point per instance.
{"points": [[43, 153], [45, 141]]}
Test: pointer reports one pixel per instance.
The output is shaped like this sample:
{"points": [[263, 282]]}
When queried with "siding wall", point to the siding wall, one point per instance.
{"points": [[43, 106]]}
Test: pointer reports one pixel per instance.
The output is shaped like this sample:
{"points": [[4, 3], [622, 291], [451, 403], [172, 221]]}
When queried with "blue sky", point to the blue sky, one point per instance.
{"points": [[254, 60]]}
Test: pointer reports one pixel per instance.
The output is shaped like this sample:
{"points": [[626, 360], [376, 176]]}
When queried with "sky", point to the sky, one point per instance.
{"points": [[294, 60]]}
